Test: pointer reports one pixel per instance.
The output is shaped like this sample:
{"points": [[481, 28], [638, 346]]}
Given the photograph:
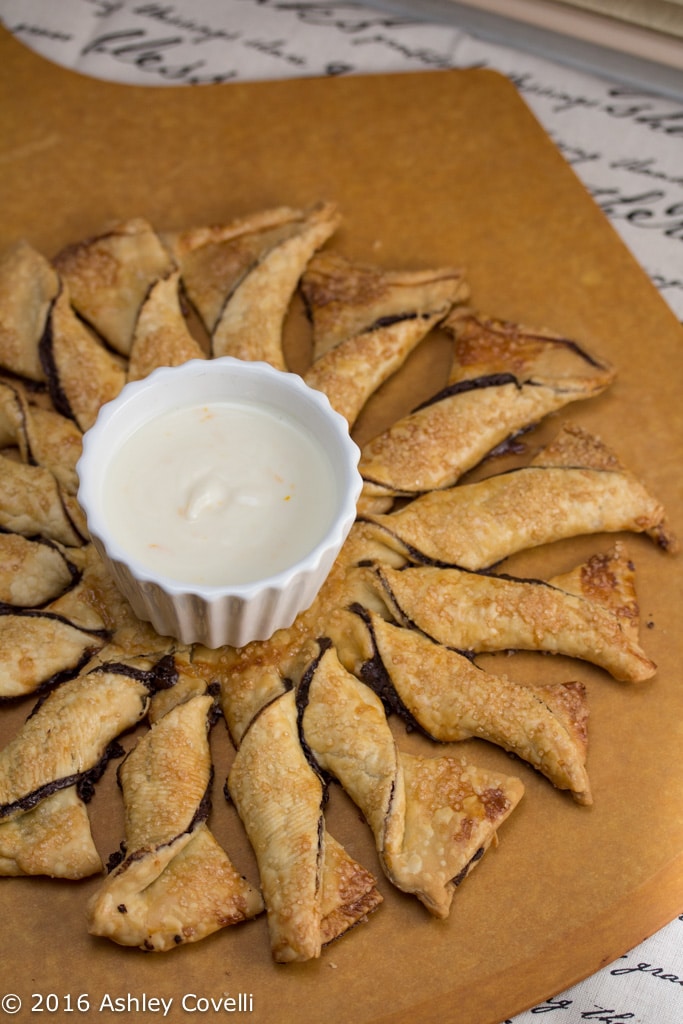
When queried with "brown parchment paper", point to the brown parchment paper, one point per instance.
{"points": [[427, 169]]}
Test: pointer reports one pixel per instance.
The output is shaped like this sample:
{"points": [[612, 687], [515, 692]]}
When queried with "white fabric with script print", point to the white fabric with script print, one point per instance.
{"points": [[625, 145], [645, 986]]}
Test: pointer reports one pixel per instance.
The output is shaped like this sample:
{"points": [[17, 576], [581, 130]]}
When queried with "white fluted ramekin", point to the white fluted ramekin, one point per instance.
{"points": [[232, 614]]}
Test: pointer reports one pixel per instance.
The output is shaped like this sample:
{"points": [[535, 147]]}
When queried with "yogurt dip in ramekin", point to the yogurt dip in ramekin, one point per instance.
{"points": [[219, 493]]}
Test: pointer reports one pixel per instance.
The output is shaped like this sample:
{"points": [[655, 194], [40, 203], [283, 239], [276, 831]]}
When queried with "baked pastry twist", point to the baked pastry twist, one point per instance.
{"points": [[590, 612], [505, 377], [432, 818], [313, 890], [174, 883], [449, 698], [575, 486], [366, 321], [48, 769]]}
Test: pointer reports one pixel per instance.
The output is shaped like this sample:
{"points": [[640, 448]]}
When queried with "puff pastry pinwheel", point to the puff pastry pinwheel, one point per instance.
{"points": [[313, 890], [28, 286], [576, 485], [432, 818], [241, 276], [174, 883], [33, 571], [162, 336], [367, 320], [47, 770], [81, 373], [589, 613], [108, 276], [39, 436], [443, 693], [415, 595], [505, 378]]}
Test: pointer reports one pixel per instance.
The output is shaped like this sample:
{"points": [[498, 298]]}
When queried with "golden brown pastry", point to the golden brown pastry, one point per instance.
{"points": [[214, 259], [32, 571], [251, 322], [40, 435], [39, 648], [14, 414], [96, 602], [345, 298], [590, 613], [350, 373], [505, 378], [250, 677], [32, 502], [183, 684], [65, 744], [82, 374], [253, 675], [431, 818], [366, 321], [109, 275], [55, 442], [53, 838], [451, 699], [70, 730], [161, 336], [313, 890], [310, 896], [28, 284], [175, 884], [574, 486]]}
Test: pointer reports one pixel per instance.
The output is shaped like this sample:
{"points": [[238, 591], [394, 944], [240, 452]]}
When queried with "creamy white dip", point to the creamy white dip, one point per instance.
{"points": [[222, 493]]}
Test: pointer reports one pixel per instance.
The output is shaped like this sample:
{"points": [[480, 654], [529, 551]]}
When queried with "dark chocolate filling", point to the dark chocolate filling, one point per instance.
{"points": [[374, 674], [460, 877], [394, 318], [302, 695], [84, 782], [489, 380], [47, 361], [37, 613]]}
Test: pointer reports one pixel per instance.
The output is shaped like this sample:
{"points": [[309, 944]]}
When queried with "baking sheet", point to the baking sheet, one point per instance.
{"points": [[427, 169]]}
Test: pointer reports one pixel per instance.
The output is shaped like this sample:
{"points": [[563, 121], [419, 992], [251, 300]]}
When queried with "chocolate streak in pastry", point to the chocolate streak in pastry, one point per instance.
{"points": [[251, 322], [32, 571], [41, 436], [161, 336], [213, 260], [81, 373], [451, 699], [431, 817], [589, 613], [505, 378], [313, 890], [367, 320], [574, 486], [174, 884], [109, 275], [28, 285], [38, 648], [47, 770]]}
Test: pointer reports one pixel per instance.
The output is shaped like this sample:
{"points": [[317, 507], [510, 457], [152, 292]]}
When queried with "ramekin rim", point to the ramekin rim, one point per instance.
{"points": [[307, 565]]}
